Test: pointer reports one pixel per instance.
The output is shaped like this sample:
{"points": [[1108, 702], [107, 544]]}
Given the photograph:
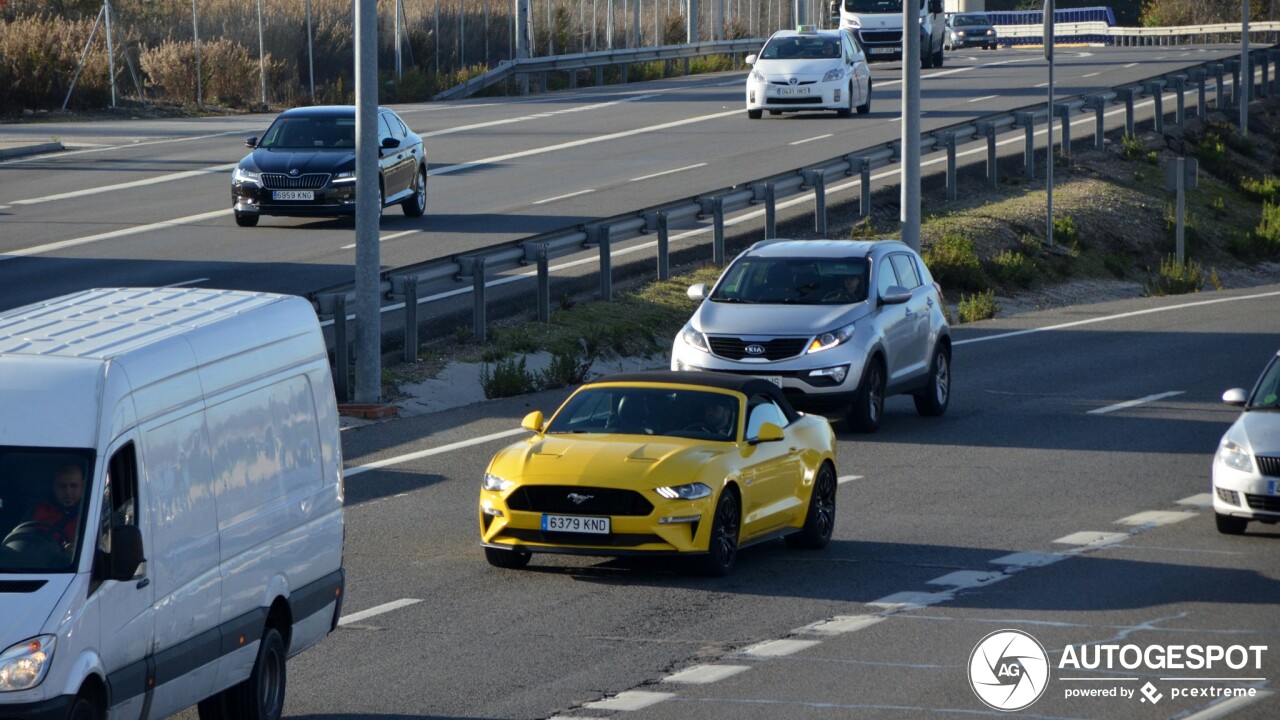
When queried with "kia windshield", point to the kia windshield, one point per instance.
{"points": [[44, 499], [794, 281]]}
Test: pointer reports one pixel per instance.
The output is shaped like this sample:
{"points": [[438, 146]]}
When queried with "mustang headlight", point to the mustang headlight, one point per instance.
{"points": [[833, 75], [692, 491], [24, 665], [243, 175], [495, 483], [756, 76], [828, 340], [694, 339], [1233, 455]]}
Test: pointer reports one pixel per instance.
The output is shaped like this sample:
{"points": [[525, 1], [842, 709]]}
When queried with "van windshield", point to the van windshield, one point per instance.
{"points": [[874, 7], [794, 281], [44, 497]]}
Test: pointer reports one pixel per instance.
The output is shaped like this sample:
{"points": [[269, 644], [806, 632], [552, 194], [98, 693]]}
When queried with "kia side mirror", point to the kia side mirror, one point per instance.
{"points": [[698, 292], [895, 295]]}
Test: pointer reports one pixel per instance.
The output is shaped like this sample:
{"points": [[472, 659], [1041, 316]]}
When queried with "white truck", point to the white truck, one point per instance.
{"points": [[171, 519], [878, 26]]}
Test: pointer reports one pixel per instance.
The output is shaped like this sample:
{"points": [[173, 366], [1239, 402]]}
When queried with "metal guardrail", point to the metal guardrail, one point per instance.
{"points": [[1099, 31], [474, 266], [583, 61]]}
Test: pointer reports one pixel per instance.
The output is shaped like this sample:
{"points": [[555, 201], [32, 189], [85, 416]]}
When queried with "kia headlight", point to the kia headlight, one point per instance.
{"points": [[1233, 455], [495, 483], [833, 75], [694, 339], [756, 76], [243, 175], [828, 340], [23, 666], [692, 491]]}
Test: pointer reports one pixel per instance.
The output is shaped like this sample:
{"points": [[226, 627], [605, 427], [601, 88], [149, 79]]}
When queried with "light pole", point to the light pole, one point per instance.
{"points": [[368, 344], [910, 171], [1048, 55], [1246, 72]]}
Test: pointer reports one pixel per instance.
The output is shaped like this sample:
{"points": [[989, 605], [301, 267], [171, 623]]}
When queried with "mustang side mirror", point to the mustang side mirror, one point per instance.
{"points": [[532, 421], [768, 433]]}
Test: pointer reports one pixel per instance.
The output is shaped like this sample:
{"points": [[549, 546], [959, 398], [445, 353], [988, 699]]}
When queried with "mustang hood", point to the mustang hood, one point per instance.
{"points": [[25, 613], [631, 461], [793, 320], [304, 161]]}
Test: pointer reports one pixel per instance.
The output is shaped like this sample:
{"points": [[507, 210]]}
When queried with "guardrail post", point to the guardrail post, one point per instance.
{"points": [[949, 142], [606, 265], [819, 202], [411, 319], [1233, 66], [770, 211], [573, 79], [1027, 121], [599, 75], [1179, 85], [522, 82], [1219, 89], [686, 67], [1155, 88], [1197, 76], [1099, 105], [988, 130], [1264, 59], [664, 248], [625, 73], [1126, 94], [1063, 112], [341, 350], [717, 235], [544, 282], [542, 82], [864, 182], [478, 325]]}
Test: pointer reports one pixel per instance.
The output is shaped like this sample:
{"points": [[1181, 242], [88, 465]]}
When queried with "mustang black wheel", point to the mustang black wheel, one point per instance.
{"points": [[509, 559], [868, 403], [820, 522], [722, 549], [934, 399]]}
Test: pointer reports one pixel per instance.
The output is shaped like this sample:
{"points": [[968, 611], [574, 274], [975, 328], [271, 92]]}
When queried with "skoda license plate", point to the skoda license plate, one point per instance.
{"points": [[575, 524], [293, 195], [1273, 487]]}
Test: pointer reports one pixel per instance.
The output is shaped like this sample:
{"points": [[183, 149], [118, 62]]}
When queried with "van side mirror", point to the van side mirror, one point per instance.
{"points": [[533, 421], [251, 142], [768, 433], [895, 295], [935, 6], [1235, 396], [698, 292], [126, 552]]}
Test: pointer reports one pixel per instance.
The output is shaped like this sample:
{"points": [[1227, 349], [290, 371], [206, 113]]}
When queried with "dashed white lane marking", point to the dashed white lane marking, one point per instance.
{"points": [[64, 244], [524, 118], [1090, 75], [1134, 403], [778, 648], [1203, 500], [985, 97], [1131, 65], [809, 140], [629, 700], [1029, 559], [910, 600], [564, 197], [704, 674], [1043, 84], [1091, 538], [1226, 707], [667, 172], [840, 625], [380, 609], [847, 478], [431, 451], [1155, 518], [384, 238], [966, 579]]}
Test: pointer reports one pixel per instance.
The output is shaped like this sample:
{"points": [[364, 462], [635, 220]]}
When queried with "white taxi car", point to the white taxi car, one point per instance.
{"points": [[809, 69]]}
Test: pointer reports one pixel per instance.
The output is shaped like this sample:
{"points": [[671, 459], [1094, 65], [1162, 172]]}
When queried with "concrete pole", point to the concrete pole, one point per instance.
{"points": [[111, 55], [691, 17], [262, 55], [195, 32], [311, 64], [1048, 54], [368, 345], [1246, 73], [910, 202]]}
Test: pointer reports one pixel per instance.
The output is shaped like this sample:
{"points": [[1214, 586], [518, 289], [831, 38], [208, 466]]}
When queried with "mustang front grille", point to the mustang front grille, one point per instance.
{"points": [[280, 181], [572, 500]]}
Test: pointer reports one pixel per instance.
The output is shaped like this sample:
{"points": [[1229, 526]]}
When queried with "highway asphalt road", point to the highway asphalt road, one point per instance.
{"points": [[147, 202], [1046, 500]]}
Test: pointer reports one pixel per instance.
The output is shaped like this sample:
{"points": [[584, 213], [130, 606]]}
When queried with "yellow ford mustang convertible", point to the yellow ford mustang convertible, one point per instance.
{"points": [[655, 463]]}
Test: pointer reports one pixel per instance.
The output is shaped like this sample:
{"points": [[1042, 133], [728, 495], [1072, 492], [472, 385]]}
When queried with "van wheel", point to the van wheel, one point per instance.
{"points": [[1230, 525], [509, 559], [261, 697], [84, 709], [934, 398], [937, 57], [868, 403]]}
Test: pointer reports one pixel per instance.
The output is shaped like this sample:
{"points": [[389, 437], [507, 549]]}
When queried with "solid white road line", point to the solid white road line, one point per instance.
{"points": [[385, 238], [1226, 707], [104, 148], [563, 197], [1153, 518], [1091, 75], [667, 172], [1130, 65], [1091, 538], [525, 118], [779, 648], [124, 186], [62, 245], [809, 140], [1135, 403], [349, 472], [380, 609], [704, 674], [629, 700]]}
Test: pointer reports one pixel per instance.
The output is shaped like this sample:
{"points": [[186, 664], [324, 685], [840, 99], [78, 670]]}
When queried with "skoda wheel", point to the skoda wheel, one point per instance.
{"points": [[246, 219], [416, 205]]}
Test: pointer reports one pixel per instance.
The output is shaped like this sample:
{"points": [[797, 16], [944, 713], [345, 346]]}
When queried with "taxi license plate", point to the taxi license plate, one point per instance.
{"points": [[575, 524], [793, 90], [293, 195]]}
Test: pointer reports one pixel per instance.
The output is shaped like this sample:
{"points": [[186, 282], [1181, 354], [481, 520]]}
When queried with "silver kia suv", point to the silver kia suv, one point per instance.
{"points": [[839, 325]]}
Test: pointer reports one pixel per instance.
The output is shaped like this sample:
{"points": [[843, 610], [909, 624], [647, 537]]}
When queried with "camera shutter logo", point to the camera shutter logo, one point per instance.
{"points": [[1008, 670]]}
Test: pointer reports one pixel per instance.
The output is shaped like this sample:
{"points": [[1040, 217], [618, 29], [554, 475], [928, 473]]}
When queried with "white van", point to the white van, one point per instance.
{"points": [[878, 26], [170, 502]]}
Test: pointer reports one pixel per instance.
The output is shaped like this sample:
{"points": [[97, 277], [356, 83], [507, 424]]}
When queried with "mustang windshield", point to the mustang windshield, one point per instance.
{"points": [[297, 133], [1267, 395], [44, 496], [697, 414], [799, 281]]}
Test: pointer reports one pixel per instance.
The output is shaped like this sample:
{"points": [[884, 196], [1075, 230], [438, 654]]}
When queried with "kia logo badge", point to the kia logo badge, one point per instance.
{"points": [[754, 349]]}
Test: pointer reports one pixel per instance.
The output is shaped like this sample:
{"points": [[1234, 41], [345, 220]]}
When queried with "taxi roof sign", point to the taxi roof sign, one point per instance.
{"points": [[806, 28]]}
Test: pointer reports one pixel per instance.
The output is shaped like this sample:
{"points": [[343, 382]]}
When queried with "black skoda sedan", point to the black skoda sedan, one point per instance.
{"points": [[304, 165]]}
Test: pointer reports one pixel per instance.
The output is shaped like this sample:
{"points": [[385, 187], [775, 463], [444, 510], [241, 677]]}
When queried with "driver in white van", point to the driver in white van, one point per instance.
{"points": [[61, 512]]}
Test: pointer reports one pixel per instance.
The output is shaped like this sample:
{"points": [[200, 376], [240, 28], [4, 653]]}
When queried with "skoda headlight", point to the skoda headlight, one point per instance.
{"points": [[24, 665], [833, 75], [756, 76], [960, 33], [243, 175], [1233, 455], [694, 339], [828, 340], [496, 484], [692, 491], [344, 177]]}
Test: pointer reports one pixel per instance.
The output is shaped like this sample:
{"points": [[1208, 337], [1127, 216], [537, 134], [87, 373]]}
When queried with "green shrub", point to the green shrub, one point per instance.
{"points": [[1264, 242], [1176, 278], [1013, 268], [1064, 230], [570, 365], [953, 261], [508, 378], [979, 306], [1264, 189], [1219, 206], [1131, 148]]}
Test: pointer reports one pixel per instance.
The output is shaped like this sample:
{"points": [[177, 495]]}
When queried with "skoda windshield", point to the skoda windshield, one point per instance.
{"points": [[44, 499], [799, 281], [1266, 396]]}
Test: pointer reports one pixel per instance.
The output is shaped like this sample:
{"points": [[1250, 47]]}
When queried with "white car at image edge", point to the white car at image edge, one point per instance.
{"points": [[808, 69], [1246, 468]]}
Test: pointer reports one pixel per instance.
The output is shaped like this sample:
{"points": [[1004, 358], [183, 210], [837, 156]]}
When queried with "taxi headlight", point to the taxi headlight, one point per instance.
{"points": [[828, 340], [1233, 455], [692, 491], [833, 75], [23, 666], [496, 484], [756, 76]]}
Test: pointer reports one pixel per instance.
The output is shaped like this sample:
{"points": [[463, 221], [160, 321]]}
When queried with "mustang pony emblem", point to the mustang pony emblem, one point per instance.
{"points": [[577, 499]]}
